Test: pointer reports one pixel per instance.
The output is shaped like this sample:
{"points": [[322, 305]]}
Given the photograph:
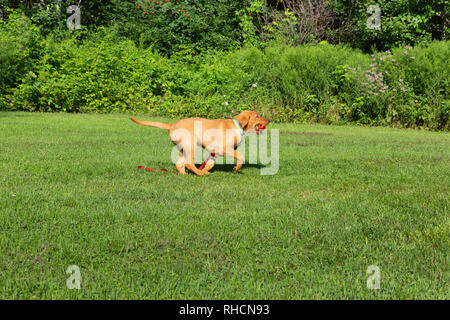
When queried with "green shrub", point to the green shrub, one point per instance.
{"points": [[165, 25], [403, 22], [20, 49], [95, 76], [310, 83], [409, 86]]}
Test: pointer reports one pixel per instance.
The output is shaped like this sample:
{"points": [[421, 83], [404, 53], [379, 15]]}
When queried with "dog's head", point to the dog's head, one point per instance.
{"points": [[251, 121]]}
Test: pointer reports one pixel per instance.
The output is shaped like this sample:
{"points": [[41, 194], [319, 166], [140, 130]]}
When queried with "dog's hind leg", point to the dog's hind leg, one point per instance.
{"points": [[181, 164], [189, 157], [209, 165]]}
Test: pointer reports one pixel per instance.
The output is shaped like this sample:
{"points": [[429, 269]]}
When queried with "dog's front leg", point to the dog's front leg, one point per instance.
{"points": [[238, 156]]}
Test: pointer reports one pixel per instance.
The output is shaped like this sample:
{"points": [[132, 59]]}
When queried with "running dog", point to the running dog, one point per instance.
{"points": [[220, 137]]}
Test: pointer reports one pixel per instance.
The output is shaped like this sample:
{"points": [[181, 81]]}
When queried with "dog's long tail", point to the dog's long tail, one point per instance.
{"points": [[161, 125]]}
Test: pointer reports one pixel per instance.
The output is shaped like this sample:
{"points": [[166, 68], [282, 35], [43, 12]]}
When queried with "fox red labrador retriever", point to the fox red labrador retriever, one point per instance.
{"points": [[220, 136]]}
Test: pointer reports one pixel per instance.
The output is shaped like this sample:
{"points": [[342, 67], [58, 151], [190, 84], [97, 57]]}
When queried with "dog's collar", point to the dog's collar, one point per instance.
{"points": [[238, 125]]}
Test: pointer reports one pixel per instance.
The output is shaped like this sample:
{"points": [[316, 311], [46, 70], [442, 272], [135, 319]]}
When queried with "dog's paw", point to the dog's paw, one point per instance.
{"points": [[205, 172]]}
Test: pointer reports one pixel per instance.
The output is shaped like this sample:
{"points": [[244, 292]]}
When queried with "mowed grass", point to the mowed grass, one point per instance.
{"points": [[343, 199]]}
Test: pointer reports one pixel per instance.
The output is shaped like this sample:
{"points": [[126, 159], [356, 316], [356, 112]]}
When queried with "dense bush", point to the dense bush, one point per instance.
{"points": [[325, 83], [94, 77], [310, 83], [20, 50], [165, 25], [403, 22], [171, 25]]}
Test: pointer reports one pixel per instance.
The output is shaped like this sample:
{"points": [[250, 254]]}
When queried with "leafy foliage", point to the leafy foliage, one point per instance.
{"points": [[105, 71], [403, 22]]}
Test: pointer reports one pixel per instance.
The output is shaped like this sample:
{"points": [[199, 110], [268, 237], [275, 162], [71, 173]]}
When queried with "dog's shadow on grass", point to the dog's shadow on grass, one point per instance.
{"points": [[229, 167]]}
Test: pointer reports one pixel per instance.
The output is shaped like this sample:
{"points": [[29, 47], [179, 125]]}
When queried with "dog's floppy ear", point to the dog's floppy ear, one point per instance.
{"points": [[243, 119]]}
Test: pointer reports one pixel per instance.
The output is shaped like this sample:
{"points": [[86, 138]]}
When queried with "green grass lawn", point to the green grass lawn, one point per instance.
{"points": [[343, 199]]}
